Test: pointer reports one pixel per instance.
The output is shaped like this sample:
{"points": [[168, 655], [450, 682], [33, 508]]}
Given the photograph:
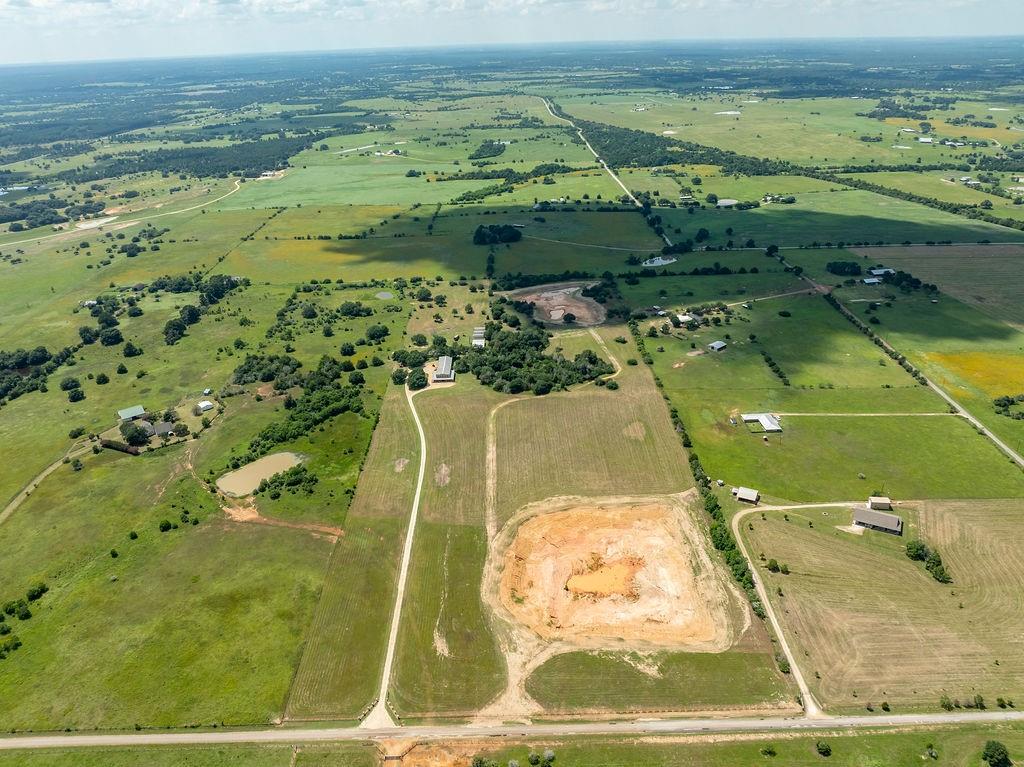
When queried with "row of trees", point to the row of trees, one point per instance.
{"points": [[721, 536]]}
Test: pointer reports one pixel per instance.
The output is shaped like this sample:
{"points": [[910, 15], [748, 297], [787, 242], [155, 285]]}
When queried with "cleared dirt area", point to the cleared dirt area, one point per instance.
{"points": [[620, 573], [552, 302], [582, 572], [244, 481]]}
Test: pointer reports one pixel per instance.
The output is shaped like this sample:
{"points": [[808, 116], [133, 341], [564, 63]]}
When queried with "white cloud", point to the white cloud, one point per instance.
{"points": [[69, 29]]}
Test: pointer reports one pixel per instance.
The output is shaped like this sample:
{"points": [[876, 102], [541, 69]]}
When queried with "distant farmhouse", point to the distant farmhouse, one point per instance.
{"points": [[479, 342], [717, 346]]}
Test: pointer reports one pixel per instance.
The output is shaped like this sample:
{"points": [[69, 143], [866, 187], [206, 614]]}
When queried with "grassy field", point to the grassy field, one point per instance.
{"points": [[960, 746], [870, 625], [338, 675], [818, 132], [944, 185], [447, 660], [972, 355], [833, 369], [631, 448], [626, 682], [347, 754], [831, 217], [201, 624], [985, 276]]}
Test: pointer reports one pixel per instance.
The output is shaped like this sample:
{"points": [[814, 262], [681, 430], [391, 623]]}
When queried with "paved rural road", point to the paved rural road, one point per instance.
{"points": [[379, 717], [455, 732], [960, 409], [598, 157]]}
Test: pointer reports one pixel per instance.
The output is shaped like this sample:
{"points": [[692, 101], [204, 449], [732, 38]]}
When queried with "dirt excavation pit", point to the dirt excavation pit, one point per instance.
{"points": [[244, 481], [553, 302], [595, 574]]}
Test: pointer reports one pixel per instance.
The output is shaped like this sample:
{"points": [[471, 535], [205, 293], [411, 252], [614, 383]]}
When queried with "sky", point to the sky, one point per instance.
{"points": [[70, 30]]}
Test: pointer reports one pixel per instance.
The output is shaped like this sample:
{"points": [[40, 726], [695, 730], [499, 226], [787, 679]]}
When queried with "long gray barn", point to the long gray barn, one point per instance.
{"points": [[444, 372], [878, 520]]}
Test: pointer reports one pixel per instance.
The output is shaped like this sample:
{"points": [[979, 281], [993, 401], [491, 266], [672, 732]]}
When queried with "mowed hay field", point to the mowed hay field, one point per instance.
{"points": [[589, 442], [343, 655], [870, 625], [447, 661], [990, 277]]}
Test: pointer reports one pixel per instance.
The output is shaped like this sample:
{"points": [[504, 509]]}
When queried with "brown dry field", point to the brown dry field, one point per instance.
{"points": [[552, 302], [598, 573], [990, 277], [877, 627]]}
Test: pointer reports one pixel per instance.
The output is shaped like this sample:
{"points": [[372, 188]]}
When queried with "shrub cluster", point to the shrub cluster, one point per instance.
{"points": [[919, 552]]}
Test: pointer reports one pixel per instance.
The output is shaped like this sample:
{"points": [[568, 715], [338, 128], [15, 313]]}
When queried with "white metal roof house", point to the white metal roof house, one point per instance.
{"points": [[204, 406], [872, 281], [767, 420], [444, 372], [717, 346], [746, 494]]}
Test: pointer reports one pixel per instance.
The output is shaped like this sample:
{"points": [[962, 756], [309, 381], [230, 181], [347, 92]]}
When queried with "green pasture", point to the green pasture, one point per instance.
{"points": [[974, 357], [817, 132], [832, 369], [957, 745], [276, 755], [829, 218], [946, 186], [986, 277], [614, 682], [677, 293], [201, 624]]}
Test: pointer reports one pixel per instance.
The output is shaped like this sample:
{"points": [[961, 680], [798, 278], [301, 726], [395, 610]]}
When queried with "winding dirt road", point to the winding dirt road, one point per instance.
{"points": [[125, 223]]}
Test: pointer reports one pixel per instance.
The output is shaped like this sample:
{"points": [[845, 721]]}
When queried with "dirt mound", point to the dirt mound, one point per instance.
{"points": [[553, 302], [594, 574], [442, 475]]}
